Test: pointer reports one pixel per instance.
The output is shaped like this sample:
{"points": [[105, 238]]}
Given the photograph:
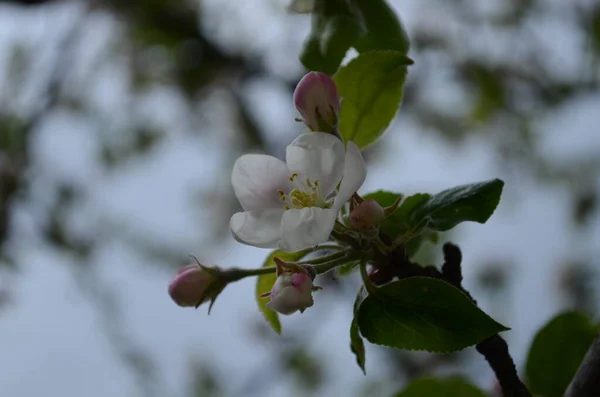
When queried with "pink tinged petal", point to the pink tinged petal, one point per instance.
{"points": [[290, 300], [188, 267], [316, 98], [318, 156], [281, 282], [302, 282], [188, 285], [256, 178], [355, 173], [257, 228], [306, 227]]}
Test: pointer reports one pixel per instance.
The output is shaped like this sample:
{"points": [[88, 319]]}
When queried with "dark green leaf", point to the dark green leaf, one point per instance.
{"points": [[414, 244], [334, 30], [265, 282], [356, 343], [371, 86], [449, 387], [557, 352], [384, 30], [421, 313], [400, 222], [475, 202]]}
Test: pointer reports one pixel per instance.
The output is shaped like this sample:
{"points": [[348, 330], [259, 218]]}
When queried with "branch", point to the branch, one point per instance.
{"points": [[494, 349], [586, 382]]}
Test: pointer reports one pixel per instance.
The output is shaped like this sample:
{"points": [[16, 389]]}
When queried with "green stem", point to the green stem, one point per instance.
{"points": [[236, 274], [323, 247], [327, 266], [323, 259], [383, 248], [371, 289], [325, 263]]}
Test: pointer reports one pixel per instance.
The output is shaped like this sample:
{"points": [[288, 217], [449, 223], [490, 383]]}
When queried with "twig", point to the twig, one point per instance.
{"points": [[494, 349], [586, 382]]}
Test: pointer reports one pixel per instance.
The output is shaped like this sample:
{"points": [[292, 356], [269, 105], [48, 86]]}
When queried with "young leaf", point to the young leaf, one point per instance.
{"points": [[556, 353], [371, 86], [383, 197], [265, 282], [422, 313], [448, 387], [334, 30], [384, 30], [356, 343], [475, 202], [400, 222], [348, 268]]}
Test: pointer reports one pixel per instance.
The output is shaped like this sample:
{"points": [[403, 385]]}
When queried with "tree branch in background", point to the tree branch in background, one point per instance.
{"points": [[586, 382]]}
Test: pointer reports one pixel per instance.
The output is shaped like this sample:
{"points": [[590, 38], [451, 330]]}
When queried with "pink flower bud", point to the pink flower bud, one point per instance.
{"points": [[291, 292], [316, 98], [188, 287], [366, 215]]}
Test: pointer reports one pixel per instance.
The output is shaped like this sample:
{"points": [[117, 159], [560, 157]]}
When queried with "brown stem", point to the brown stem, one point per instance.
{"points": [[494, 349]]}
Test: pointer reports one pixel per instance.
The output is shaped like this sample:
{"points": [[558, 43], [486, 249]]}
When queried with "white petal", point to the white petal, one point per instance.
{"points": [[258, 228], [305, 228], [355, 173], [318, 156], [256, 178], [290, 300]]}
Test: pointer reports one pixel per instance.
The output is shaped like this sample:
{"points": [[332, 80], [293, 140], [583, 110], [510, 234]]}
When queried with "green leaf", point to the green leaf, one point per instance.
{"points": [[556, 353], [400, 222], [421, 313], [371, 86], [448, 387], [265, 282], [475, 202], [356, 343], [384, 30], [348, 268], [383, 197], [334, 30]]}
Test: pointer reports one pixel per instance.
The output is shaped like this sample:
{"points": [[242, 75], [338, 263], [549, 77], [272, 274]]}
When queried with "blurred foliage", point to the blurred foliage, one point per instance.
{"points": [[557, 352], [500, 60]]}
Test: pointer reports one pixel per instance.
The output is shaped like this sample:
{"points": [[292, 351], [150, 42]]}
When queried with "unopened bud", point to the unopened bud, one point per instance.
{"points": [[189, 286], [292, 290], [316, 98], [366, 215]]}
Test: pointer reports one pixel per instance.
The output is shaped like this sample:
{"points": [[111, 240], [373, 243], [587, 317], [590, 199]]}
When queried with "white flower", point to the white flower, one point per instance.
{"points": [[294, 206]]}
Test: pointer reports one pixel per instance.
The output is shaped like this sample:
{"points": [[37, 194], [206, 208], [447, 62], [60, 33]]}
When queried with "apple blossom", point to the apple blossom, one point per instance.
{"points": [[316, 98], [294, 206], [189, 285], [292, 290]]}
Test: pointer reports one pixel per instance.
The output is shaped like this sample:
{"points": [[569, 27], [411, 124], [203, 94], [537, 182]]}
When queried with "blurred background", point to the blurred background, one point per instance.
{"points": [[120, 122]]}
